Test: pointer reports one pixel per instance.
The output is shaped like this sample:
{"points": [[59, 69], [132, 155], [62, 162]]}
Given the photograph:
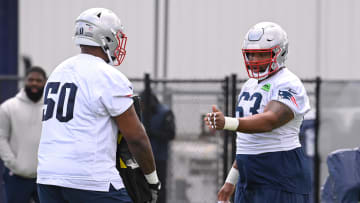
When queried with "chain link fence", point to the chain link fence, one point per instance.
{"points": [[199, 158]]}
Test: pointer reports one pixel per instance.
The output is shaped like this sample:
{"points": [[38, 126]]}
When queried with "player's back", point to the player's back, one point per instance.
{"points": [[79, 137]]}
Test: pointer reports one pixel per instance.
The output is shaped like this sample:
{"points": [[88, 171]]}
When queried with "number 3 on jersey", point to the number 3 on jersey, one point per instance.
{"points": [[68, 92], [246, 96]]}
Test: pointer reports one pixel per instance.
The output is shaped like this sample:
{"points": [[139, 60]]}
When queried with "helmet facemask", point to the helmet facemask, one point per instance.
{"points": [[260, 69], [114, 47]]}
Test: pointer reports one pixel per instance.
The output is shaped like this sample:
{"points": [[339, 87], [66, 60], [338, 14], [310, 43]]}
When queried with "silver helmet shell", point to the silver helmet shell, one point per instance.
{"points": [[263, 37], [102, 28]]}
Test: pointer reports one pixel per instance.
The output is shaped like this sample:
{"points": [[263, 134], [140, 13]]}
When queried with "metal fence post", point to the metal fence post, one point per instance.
{"points": [[226, 133], [233, 114], [146, 99], [316, 144]]}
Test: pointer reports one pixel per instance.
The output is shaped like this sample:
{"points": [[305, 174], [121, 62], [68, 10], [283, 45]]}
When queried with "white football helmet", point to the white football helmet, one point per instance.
{"points": [[102, 28], [265, 37]]}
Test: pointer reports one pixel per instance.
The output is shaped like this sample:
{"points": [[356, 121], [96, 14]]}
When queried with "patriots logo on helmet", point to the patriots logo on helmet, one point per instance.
{"points": [[288, 94]]}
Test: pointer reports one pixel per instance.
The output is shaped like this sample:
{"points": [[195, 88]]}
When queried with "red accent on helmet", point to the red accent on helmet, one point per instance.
{"points": [[253, 67], [120, 50]]}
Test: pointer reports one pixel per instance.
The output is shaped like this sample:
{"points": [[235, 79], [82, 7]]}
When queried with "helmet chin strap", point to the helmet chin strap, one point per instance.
{"points": [[264, 73], [107, 51], [267, 71], [111, 62]]}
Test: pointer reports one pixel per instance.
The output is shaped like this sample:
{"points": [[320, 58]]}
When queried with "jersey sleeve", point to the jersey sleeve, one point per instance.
{"points": [[293, 94], [116, 95]]}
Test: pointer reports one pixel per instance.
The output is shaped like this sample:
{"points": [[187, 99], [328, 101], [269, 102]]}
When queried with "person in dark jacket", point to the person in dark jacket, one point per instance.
{"points": [[159, 122]]}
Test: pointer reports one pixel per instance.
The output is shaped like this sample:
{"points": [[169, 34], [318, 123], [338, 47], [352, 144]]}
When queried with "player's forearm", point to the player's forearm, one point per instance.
{"points": [[259, 123], [141, 149], [234, 164], [275, 115]]}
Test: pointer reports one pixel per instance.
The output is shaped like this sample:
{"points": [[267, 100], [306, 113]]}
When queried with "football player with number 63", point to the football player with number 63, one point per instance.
{"points": [[270, 165]]}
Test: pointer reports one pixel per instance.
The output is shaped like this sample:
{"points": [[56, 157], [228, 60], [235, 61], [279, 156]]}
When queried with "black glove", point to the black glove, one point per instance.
{"points": [[154, 189]]}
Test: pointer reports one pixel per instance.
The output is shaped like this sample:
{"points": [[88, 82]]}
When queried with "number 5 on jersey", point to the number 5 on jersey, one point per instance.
{"points": [[68, 92]]}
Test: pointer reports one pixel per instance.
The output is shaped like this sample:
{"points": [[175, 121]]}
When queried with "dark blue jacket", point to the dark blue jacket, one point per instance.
{"points": [[161, 130]]}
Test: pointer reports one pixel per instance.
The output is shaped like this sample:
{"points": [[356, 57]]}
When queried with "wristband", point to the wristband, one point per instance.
{"points": [[152, 177], [233, 176], [231, 123]]}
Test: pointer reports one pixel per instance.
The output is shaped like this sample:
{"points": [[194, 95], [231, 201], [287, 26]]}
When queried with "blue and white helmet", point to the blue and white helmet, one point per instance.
{"points": [[265, 37], [102, 28]]}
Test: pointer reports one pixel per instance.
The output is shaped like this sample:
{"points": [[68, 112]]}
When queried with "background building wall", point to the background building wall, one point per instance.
{"points": [[204, 36], [205, 39]]}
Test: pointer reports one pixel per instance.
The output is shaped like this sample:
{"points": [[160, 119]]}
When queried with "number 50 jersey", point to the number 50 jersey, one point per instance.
{"points": [[79, 137], [284, 87]]}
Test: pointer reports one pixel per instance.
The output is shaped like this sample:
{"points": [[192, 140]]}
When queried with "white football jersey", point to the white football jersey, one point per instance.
{"points": [[79, 137], [284, 87]]}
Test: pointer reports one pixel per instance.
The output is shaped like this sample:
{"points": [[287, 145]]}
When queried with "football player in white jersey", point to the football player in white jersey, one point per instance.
{"points": [[270, 164], [86, 102]]}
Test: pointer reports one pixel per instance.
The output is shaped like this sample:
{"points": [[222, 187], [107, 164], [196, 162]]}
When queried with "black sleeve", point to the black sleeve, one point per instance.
{"points": [[169, 125], [167, 130]]}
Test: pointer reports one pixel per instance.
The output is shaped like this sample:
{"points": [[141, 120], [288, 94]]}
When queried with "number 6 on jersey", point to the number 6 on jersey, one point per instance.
{"points": [[68, 92]]}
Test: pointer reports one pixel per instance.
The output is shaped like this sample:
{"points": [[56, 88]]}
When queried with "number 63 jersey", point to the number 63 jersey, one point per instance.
{"points": [[79, 137], [284, 87]]}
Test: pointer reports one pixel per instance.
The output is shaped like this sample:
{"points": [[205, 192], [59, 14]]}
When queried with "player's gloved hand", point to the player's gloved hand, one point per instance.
{"points": [[154, 189]]}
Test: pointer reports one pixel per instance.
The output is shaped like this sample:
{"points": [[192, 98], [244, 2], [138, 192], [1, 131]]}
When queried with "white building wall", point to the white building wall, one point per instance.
{"points": [[340, 39], [46, 30], [205, 36]]}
